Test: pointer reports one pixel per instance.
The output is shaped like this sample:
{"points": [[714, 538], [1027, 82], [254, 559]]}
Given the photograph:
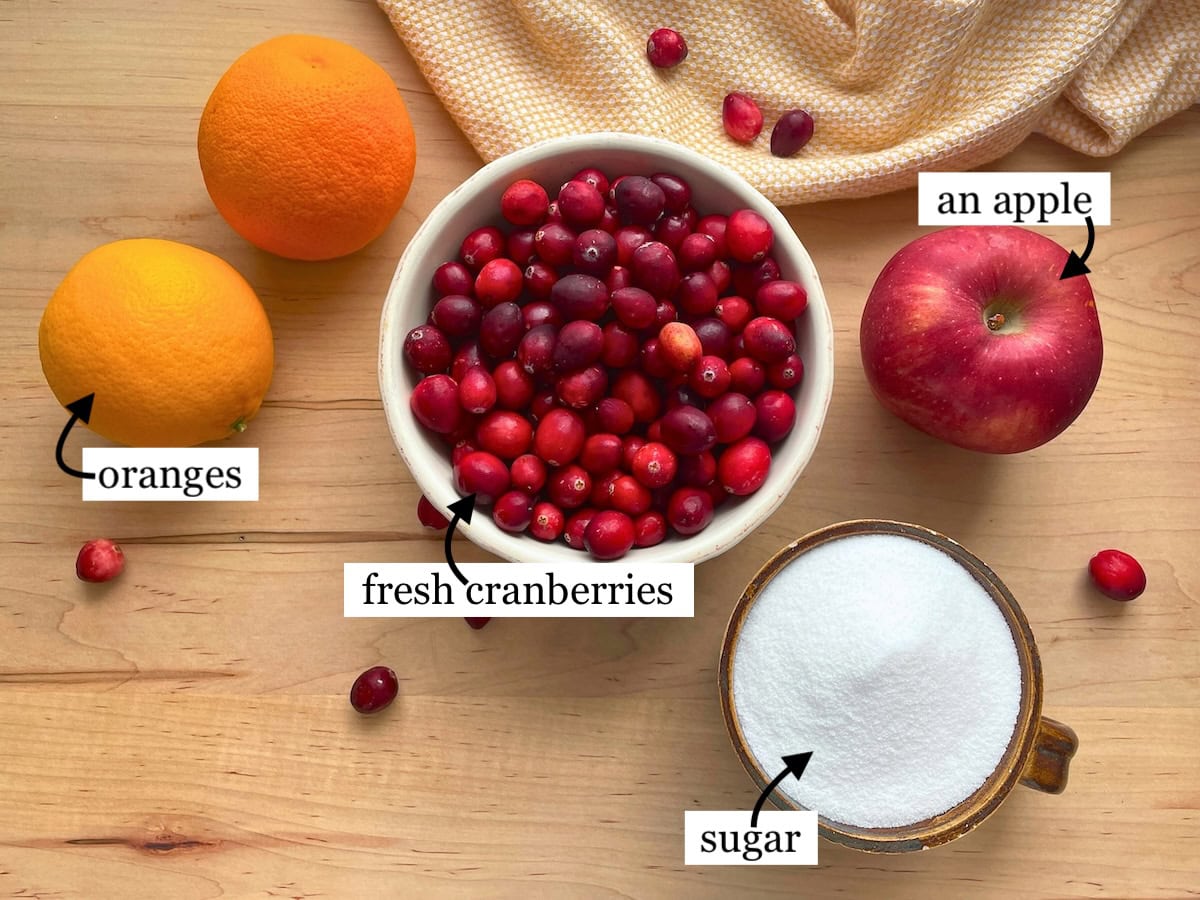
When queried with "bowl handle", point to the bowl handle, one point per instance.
{"points": [[1053, 747]]}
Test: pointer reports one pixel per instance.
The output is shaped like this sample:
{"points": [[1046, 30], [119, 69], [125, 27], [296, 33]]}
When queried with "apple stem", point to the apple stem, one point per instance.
{"points": [[995, 321]]}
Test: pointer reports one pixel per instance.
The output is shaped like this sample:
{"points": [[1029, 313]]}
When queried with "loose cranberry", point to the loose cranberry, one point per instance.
{"points": [[1117, 574], [434, 403], [582, 389], [576, 526], [654, 269], [456, 315], [99, 560], [689, 510], [710, 377], [733, 416], [666, 48], [579, 344], [671, 230], [742, 118], [555, 244], [539, 312], [649, 529], [569, 487], [697, 294], [629, 495], [629, 238], [768, 340], [427, 350], [654, 465], [477, 390], [715, 337], [735, 312], [618, 278], [639, 200], [504, 433], [594, 177], [580, 296], [547, 523], [477, 622], [501, 330], [528, 473], [466, 358], [453, 278], [665, 312], [698, 470], [581, 205], [747, 376], [609, 534], [559, 437], [636, 390], [688, 430], [653, 362], [775, 414], [785, 300], [744, 466], [791, 132], [539, 278], [374, 689], [696, 253], [634, 307], [514, 386], [601, 453], [483, 474], [614, 415], [481, 246], [428, 515], [535, 353], [513, 511], [787, 373], [620, 346], [520, 247], [524, 202], [748, 236], [679, 346], [595, 252]]}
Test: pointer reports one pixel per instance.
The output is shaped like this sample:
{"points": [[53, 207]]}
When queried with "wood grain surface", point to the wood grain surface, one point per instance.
{"points": [[184, 732]]}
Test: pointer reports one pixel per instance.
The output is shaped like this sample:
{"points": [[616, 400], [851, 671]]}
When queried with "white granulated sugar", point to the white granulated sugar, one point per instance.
{"points": [[885, 658]]}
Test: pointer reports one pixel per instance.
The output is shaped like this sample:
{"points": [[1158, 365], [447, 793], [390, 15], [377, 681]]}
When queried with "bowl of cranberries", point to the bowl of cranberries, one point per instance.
{"points": [[616, 344]]}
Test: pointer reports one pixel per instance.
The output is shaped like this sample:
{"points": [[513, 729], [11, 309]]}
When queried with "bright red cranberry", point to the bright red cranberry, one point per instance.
{"points": [[710, 377], [477, 622], [614, 415], [715, 337], [787, 373], [634, 307], [768, 340], [456, 315], [539, 279], [721, 275], [594, 177], [629, 495], [689, 510], [654, 431], [453, 278], [1117, 574], [742, 118], [620, 346], [477, 390], [696, 253], [791, 132], [697, 294], [374, 689], [499, 281], [601, 453], [580, 204], [602, 490], [748, 236], [629, 238], [747, 376], [461, 450], [733, 416], [559, 437], [520, 247], [99, 560], [637, 390], [639, 200], [467, 357], [524, 202], [428, 515], [715, 226], [501, 330], [582, 389], [504, 433], [580, 296], [618, 278], [434, 403], [688, 430], [483, 474], [785, 300], [528, 473], [671, 230], [427, 350], [555, 244], [630, 445], [744, 466], [698, 470], [679, 346], [514, 386], [481, 246], [654, 465], [547, 523], [576, 526], [649, 529], [513, 511], [579, 344], [775, 414], [535, 353], [609, 534], [735, 312], [666, 48], [569, 487], [595, 252], [654, 269]]}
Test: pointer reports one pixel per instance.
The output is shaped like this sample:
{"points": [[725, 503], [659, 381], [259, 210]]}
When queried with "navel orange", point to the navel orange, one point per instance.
{"points": [[171, 339], [306, 147]]}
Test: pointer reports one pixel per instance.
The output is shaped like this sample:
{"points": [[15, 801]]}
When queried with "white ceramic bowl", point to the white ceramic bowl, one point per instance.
{"points": [[476, 202]]}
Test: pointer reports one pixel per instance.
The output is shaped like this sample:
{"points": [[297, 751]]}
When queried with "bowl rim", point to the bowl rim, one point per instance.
{"points": [[986, 799], [820, 371]]}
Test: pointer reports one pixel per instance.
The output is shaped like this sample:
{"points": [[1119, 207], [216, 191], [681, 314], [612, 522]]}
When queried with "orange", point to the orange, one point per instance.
{"points": [[306, 147], [172, 340]]}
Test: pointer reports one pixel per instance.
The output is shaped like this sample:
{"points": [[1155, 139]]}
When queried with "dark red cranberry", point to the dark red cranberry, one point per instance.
{"points": [[652, 361], [742, 118], [609, 534], [666, 48], [524, 202], [535, 353], [477, 622], [480, 247], [579, 344], [636, 390], [614, 415], [555, 244], [785, 300], [775, 415], [582, 389], [547, 523], [768, 340], [629, 238], [453, 278], [689, 510], [618, 278], [542, 403], [483, 474], [428, 515], [602, 490], [697, 294], [501, 330], [747, 376], [791, 132], [654, 465], [698, 470], [665, 312], [580, 296], [559, 437], [580, 204], [649, 529], [467, 357], [434, 403], [620, 346], [601, 453], [569, 487], [696, 253], [710, 377], [715, 226], [539, 312], [715, 337], [634, 307], [528, 473], [595, 252], [688, 430], [576, 526], [514, 386], [671, 230], [539, 278], [721, 275], [787, 373], [520, 247], [506, 434], [461, 449], [748, 236], [594, 177], [733, 416], [427, 350], [677, 193], [639, 200], [513, 511], [457, 315], [374, 689], [654, 269], [744, 466], [477, 390]]}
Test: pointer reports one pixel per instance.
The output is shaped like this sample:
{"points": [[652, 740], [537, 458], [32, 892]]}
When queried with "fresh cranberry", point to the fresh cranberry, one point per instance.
{"points": [[639, 200], [99, 560], [618, 278], [677, 194], [595, 252], [748, 236], [634, 307], [787, 373], [504, 433], [481, 246], [733, 416], [629, 238], [768, 340], [654, 465], [542, 403], [1117, 574], [584, 388], [653, 362], [671, 230], [514, 387], [620, 346], [614, 415], [721, 275], [535, 353], [539, 279], [569, 487], [501, 330], [477, 390], [579, 344], [735, 312], [594, 177], [680, 393], [601, 453], [742, 118], [434, 403], [519, 246], [630, 445], [547, 523], [696, 252], [528, 473], [688, 430], [629, 495], [456, 315], [709, 377], [559, 437], [747, 376], [715, 226], [555, 244], [576, 526], [467, 357], [689, 510], [483, 474], [499, 280], [539, 312], [636, 390], [697, 294], [524, 202], [666, 48], [580, 296], [698, 470], [781, 299], [477, 622], [649, 529], [602, 490], [744, 466], [427, 350], [374, 689], [715, 337], [580, 204], [665, 312], [609, 534], [791, 132], [428, 515], [679, 346], [775, 414], [654, 269], [461, 450], [453, 278], [513, 511]]}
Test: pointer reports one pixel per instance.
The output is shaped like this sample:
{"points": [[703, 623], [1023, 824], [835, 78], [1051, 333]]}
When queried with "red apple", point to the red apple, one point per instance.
{"points": [[970, 335]]}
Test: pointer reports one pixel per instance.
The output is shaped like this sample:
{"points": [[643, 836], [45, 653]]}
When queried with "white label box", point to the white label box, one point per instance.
{"points": [[725, 838], [171, 473], [1013, 198]]}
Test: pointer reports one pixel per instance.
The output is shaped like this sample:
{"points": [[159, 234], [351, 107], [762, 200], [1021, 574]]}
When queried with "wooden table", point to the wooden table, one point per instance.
{"points": [[184, 733]]}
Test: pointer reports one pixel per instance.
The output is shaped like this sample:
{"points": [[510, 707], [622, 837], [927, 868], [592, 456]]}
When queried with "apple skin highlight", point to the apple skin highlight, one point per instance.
{"points": [[970, 336]]}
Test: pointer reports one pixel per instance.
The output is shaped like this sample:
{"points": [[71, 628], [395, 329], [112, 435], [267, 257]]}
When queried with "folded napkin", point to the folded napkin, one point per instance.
{"points": [[895, 86]]}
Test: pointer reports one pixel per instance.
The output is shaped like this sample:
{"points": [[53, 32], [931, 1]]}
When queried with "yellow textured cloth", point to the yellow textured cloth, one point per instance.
{"points": [[895, 86]]}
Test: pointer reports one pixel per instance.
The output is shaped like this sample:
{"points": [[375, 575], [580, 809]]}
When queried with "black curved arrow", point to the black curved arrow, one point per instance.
{"points": [[796, 764], [1075, 263], [80, 409], [462, 509]]}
